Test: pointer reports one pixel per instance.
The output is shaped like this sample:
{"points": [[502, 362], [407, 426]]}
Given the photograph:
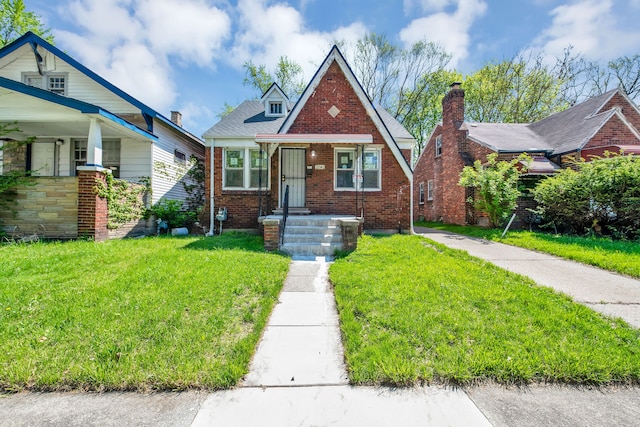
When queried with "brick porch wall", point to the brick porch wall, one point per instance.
{"points": [[92, 210]]}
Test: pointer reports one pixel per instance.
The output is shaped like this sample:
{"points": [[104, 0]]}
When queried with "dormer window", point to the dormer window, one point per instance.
{"points": [[53, 82], [275, 108], [276, 103]]}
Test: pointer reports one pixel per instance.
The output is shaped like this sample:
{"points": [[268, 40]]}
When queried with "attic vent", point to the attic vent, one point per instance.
{"points": [[334, 111]]}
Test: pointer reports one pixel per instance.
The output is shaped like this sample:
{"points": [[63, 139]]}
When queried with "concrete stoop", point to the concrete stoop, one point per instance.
{"points": [[312, 236]]}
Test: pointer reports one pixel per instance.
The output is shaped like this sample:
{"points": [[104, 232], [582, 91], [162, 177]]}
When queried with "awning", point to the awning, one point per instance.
{"points": [[540, 166], [314, 138]]}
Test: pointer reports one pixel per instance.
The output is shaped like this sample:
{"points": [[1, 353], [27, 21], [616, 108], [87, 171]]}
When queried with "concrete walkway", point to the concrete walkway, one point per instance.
{"points": [[609, 293], [298, 376]]}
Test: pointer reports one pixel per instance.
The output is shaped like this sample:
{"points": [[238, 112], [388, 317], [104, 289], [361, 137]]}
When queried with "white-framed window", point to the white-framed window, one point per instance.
{"points": [[357, 170], [430, 189], [421, 198], [179, 157], [438, 145], [245, 169], [53, 82], [110, 155], [275, 108]]}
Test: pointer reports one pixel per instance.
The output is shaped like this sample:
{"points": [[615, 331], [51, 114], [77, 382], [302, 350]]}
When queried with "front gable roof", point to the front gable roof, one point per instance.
{"points": [[34, 41], [336, 56]]}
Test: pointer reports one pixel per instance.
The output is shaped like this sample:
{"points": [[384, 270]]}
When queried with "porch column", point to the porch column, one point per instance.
{"points": [[94, 144], [271, 234], [92, 209]]}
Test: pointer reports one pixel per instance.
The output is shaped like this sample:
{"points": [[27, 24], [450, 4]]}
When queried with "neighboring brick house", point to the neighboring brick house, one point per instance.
{"points": [[84, 127], [609, 122], [337, 152]]}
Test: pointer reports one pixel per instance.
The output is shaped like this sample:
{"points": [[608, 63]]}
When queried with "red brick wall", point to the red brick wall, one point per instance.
{"points": [[385, 209], [427, 168], [92, 209], [614, 132], [628, 110], [242, 206]]}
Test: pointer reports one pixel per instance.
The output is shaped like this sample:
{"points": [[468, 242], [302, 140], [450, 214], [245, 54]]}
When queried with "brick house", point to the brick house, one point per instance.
{"points": [[608, 122], [336, 152], [84, 127]]}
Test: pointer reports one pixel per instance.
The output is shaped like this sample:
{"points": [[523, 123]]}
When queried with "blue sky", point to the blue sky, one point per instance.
{"points": [[187, 55]]}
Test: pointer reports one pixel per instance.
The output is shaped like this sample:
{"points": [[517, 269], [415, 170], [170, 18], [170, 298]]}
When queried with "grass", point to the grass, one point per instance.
{"points": [[618, 256], [413, 311], [147, 314]]}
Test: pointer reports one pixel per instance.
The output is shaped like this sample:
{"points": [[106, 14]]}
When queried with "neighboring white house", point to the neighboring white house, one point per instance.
{"points": [[83, 122]]}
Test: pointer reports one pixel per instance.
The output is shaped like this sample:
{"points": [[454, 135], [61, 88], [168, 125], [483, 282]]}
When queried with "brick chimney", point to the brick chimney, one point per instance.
{"points": [[453, 106], [176, 117]]}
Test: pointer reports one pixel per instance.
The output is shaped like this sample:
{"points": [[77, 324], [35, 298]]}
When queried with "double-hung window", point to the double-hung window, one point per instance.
{"points": [[245, 169], [357, 169], [430, 189], [110, 155], [438, 145], [421, 198]]}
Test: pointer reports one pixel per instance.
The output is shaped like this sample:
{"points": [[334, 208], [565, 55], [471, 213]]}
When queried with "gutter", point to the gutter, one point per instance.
{"points": [[211, 192]]}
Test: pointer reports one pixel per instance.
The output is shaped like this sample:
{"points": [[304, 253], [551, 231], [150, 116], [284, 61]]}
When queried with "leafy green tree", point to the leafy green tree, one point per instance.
{"points": [[287, 74], [496, 185], [15, 20], [518, 90]]}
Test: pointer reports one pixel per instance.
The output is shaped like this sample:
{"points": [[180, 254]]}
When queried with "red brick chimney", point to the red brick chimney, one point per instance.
{"points": [[453, 106]]}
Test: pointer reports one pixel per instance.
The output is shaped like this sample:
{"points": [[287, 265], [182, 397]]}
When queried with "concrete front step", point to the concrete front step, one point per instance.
{"points": [[310, 238], [304, 249], [310, 229]]}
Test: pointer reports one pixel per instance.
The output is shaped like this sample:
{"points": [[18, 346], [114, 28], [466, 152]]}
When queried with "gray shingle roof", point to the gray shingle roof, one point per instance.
{"points": [[248, 119], [514, 137], [559, 133]]}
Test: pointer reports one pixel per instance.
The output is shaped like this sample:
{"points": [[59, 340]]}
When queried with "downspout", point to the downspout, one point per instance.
{"points": [[411, 230], [212, 215]]}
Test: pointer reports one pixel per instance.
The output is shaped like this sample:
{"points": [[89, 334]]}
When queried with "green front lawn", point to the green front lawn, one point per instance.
{"points": [[147, 314], [619, 256], [415, 311]]}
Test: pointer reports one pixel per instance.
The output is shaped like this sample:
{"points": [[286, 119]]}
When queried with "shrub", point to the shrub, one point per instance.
{"points": [[496, 184], [601, 196], [173, 213]]}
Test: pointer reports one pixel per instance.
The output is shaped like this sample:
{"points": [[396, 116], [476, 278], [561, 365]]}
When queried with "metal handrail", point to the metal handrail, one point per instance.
{"points": [[285, 213]]}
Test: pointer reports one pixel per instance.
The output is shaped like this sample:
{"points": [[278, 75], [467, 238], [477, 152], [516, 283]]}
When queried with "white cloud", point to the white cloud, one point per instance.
{"points": [[191, 112], [426, 5], [449, 30], [131, 42], [266, 33], [591, 27]]}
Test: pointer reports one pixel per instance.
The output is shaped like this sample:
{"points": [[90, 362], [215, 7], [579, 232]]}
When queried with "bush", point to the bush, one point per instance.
{"points": [[173, 213], [601, 196]]}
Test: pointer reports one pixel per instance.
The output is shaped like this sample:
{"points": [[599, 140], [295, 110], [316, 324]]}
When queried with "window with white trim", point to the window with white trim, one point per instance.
{"points": [[421, 198], [438, 145], [179, 157], [275, 108], [239, 174], [53, 82], [430, 189], [110, 155], [357, 170]]}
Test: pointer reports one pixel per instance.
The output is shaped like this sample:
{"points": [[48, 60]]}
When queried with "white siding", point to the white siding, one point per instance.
{"points": [[79, 86], [135, 160], [167, 175]]}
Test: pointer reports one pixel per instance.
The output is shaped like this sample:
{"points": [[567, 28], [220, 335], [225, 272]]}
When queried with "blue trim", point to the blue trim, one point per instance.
{"points": [[81, 106], [147, 112], [94, 165]]}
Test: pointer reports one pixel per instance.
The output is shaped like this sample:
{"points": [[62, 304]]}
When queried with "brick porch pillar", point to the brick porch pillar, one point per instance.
{"points": [[92, 209], [271, 234], [349, 229]]}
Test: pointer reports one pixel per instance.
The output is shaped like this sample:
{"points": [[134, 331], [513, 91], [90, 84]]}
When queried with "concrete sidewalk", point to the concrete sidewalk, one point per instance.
{"points": [[609, 293]]}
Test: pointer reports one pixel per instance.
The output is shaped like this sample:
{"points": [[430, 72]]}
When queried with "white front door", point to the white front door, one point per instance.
{"points": [[293, 174], [43, 158]]}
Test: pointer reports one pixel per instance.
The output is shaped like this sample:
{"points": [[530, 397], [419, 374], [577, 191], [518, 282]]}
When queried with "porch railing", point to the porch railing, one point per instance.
{"points": [[285, 213]]}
